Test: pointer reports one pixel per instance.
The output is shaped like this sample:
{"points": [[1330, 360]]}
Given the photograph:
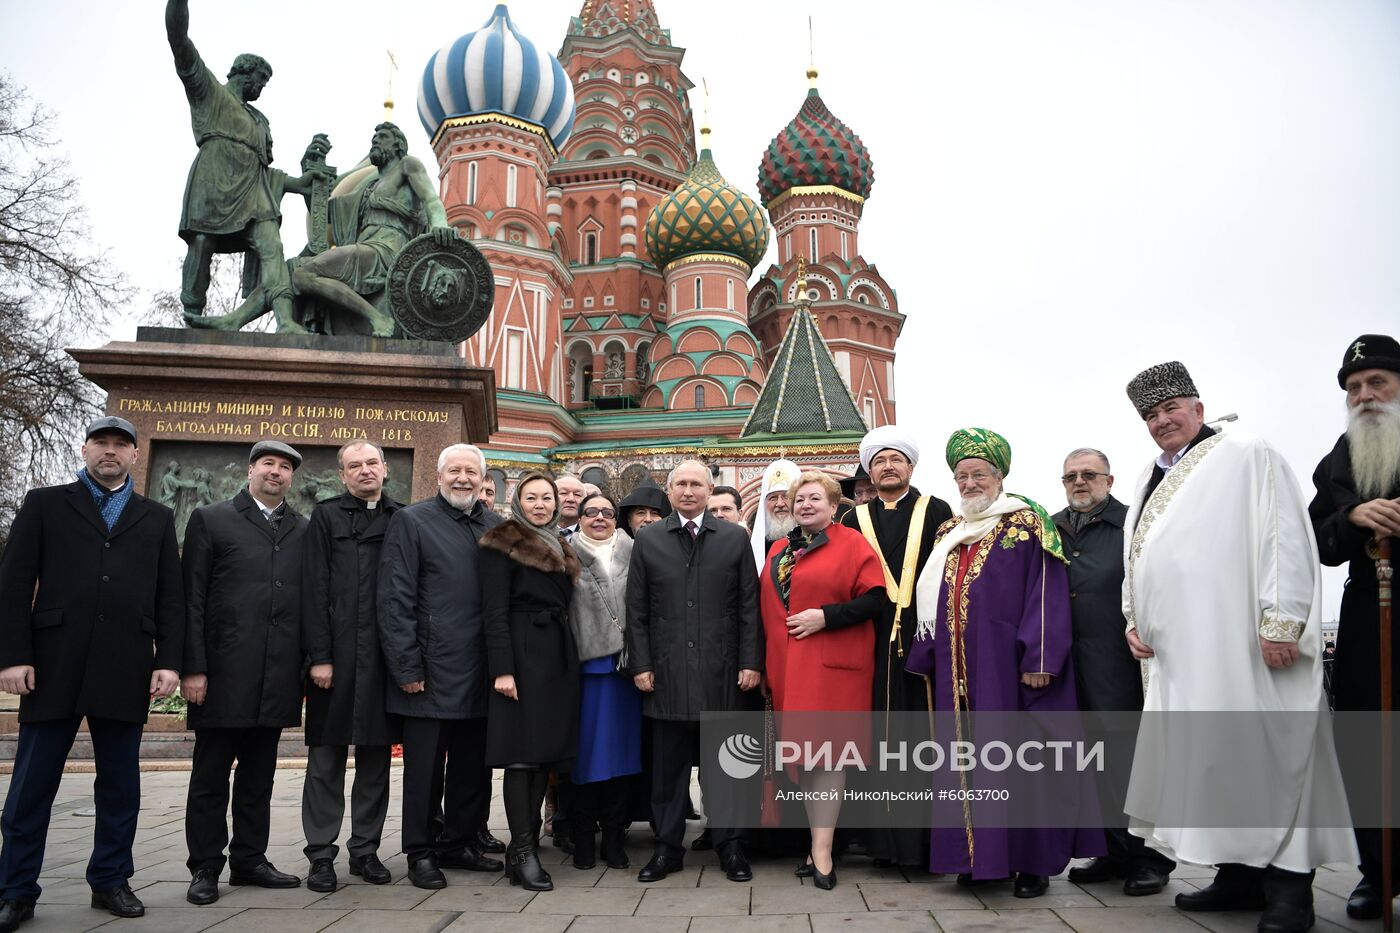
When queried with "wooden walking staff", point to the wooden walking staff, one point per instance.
{"points": [[1384, 572]]}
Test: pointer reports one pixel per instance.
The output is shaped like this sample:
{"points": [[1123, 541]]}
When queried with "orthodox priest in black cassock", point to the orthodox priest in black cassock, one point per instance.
{"points": [[1357, 481], [896, 515]]}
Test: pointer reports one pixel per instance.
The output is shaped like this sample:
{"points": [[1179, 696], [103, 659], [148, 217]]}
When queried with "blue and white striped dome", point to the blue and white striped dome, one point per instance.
{"points": [[497, 70]]}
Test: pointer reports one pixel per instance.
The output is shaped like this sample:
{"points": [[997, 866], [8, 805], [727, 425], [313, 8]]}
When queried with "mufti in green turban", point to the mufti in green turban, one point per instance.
{"points": [[994, 449], [982, 444]]}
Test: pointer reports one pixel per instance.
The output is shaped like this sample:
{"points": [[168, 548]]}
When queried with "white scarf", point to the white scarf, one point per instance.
{"points": [[971, 528], [602, 551]]}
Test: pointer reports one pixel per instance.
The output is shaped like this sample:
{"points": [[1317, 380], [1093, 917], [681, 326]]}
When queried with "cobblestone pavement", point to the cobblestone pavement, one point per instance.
{"points": [[696, 900]]}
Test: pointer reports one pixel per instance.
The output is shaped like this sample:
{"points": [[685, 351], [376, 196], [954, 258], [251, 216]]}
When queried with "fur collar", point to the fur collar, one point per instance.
{"points": [[523, 546]]}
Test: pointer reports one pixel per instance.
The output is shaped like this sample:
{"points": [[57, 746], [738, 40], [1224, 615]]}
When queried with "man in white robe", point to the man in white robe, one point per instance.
{"points": [[1222, 597]]}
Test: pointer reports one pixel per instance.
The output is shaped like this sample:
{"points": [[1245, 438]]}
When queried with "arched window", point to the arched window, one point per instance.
{"points": [[471, 182], [812, 244], [699, 293], [590, 249], [699, 397], [729, 294], [511, 173], [596, 476]]}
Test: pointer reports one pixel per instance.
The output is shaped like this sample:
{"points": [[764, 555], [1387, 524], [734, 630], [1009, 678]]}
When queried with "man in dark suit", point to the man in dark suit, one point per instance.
{"points": [[89, 581], [692, 589], [242, 672], [345, 699]]}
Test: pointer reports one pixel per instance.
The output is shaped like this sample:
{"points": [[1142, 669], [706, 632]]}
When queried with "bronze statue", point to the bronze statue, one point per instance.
{"points": [[232, 198]]}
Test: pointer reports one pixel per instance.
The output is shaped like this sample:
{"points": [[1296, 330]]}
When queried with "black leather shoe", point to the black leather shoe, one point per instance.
{"points": [[703, 842], [485, 842], [468, 859], [370, 868], [824, 882], [614, 847], [523, 867], [736, 867], [321, 878], [1365, 901], [1144, 881], [264, 876], [119, 902], [806, 869], [424, 873], [13, 913], [692, 814], [1028, 885], [1220, 895], [659, 867], [1284, 917], [204, 887], [1098, 870]]}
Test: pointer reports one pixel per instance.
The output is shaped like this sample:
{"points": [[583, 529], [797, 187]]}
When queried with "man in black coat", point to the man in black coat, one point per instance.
{"points": [[345, 698], [694, 643], [434, 647], [89, 580], [1106, 675], [243, 666], [1357, 504]]}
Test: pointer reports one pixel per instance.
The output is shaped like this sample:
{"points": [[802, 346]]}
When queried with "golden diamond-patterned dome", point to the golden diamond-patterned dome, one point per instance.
{"points": [[706, 214]]}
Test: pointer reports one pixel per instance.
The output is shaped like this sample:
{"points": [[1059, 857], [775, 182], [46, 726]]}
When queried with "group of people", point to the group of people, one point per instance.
{"points": [[577, 643]]}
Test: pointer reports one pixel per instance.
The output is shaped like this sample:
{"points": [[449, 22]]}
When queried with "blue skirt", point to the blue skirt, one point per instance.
{"points": [[610, 723]]}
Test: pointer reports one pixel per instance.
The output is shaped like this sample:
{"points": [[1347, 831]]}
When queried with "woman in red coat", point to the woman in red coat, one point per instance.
{"points": [[820, 588]]}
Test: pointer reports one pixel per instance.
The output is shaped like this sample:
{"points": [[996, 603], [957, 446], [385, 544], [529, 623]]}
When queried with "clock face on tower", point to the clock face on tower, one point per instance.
{"points": [[629, 133]]}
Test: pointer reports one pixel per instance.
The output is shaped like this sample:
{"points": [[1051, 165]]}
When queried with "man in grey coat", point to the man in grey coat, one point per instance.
{"points": [[694, 644], [431, 631], [1107, 677]]}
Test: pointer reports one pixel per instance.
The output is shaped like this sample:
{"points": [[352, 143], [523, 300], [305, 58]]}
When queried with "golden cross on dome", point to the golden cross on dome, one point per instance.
{"points": [[389, 94], [811, 55], [1356, 350]]}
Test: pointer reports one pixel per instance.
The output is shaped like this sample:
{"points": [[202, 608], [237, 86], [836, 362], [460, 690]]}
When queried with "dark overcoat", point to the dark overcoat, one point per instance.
{"points": [[94, 612], [430, 609], [1356, 671], [1106, 675], [338, 601], [692, 616], [525, 593], [243, 614]]}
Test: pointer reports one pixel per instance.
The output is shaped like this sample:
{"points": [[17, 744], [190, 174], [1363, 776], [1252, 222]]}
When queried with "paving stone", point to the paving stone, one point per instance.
{"points": [[768, 923], [1033, 920], [919, 897], [1110, 894], [512, 923], [806, 899], [494, 899], [65, 918], [399, 921], [700, 902], [1156, 919], [173, 920], [765, 874], [171, 894], [892, 921], [1061, 894], [263, 920], [689, 877], [291, 898], [637, 924], [601, 902]]}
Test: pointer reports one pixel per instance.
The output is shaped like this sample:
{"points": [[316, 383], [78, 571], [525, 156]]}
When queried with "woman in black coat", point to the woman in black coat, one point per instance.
{"points": [[528, 574]]}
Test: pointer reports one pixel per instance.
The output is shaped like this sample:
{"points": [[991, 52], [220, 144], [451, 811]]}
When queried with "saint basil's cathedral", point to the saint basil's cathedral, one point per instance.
{"points": [[625, 336]]}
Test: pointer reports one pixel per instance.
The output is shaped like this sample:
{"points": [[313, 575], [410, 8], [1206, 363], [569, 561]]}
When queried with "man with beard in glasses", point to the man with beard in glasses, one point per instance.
{"points": [[1358, 504]]}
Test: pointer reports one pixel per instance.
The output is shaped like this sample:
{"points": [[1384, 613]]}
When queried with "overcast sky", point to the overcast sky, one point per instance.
{"points": [[1065, 193]]}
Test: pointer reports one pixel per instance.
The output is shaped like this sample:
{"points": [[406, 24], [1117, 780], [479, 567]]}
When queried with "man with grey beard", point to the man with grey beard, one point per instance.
{"points": [[1356, 506]]}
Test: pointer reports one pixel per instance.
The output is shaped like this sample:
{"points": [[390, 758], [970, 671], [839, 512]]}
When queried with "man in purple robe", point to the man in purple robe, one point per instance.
{"points": [[994, 635]]}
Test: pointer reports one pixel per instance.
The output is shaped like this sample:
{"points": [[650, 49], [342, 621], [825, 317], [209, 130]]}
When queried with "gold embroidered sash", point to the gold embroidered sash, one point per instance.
{"points": [[901, 591]]}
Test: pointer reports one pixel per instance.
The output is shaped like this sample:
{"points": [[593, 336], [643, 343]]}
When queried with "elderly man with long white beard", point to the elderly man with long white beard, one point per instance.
{"points": [[1356, 506], [1222, 596], [773, 520]]}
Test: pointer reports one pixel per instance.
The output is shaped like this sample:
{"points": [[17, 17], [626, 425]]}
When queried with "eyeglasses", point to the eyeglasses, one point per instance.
{"points": [[594, 512], [961, 478], [1087, 475]]}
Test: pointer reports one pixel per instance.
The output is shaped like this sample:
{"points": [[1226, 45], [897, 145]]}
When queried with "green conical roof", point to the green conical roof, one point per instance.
{"points": [[805, 393]]}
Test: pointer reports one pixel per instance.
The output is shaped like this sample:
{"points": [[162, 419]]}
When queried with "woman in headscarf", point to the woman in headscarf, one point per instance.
{"points": [[610, 705], [528, 575]]}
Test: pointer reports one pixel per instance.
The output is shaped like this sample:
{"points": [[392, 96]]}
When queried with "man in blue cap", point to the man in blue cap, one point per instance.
{"points": [[91, 625]]}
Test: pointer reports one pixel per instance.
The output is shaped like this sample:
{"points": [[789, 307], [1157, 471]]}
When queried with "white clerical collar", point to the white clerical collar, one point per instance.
{"points": [[1166, 463]]}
